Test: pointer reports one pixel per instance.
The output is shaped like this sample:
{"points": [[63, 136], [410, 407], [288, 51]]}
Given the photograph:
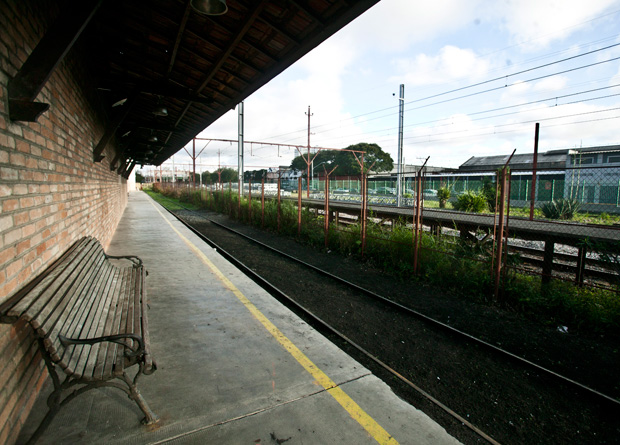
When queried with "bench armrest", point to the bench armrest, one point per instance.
{"points": [[111, 338], [134, 259]]}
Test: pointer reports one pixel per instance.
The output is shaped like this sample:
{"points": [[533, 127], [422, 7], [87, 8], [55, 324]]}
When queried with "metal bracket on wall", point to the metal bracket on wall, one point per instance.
{"points": [[26, 85]]}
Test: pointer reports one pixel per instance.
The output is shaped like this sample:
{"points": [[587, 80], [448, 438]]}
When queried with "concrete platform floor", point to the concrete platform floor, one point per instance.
{"points": [[234, 365]]}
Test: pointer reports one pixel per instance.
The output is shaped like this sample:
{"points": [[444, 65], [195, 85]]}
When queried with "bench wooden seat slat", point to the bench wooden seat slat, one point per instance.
{"points": [[101, 329], [72, 321], [89, 313], [89, 329], [99, 368], [107, 351], [112, 325], [126, 324]]}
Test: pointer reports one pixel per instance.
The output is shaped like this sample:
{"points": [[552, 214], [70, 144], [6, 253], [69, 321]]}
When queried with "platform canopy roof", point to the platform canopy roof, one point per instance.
{"points": [[163, 53], [146, 56]]}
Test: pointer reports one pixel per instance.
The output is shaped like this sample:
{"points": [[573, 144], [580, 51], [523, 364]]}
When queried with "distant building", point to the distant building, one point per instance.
{"points": [[591, 175]]}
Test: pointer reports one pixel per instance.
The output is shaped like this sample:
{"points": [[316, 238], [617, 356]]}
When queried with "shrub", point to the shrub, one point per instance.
{"points": [[443, 194], [561, 209], [471, 201]]}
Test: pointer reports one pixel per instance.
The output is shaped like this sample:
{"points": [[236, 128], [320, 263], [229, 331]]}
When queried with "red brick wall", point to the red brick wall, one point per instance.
{"points": [[51, 191]]}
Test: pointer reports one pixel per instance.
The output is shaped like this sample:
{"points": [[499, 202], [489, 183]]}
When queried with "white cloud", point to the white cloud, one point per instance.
{"points": [[394, 25], [555, 83], [537, 23], [450, 64]]}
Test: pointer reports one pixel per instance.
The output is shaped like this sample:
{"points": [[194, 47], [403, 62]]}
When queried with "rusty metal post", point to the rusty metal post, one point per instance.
{"points": [[581, 266], [506, 227], [299, 206], [364, 186], [262, 204], [500, 232], [250, 200], [278, 207], [416, 221], [326, 211], [534, 167], [547, 270]]}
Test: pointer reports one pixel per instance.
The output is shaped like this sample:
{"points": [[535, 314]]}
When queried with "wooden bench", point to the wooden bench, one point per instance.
{"points": [[88, 311]]}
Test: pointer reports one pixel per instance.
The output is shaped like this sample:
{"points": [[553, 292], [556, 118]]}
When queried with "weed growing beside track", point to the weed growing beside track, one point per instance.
{"points": [[456, 266]]}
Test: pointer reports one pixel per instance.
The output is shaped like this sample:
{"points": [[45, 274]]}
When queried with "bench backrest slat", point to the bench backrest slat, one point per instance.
{"points": [[54, 315], [29, 306]]}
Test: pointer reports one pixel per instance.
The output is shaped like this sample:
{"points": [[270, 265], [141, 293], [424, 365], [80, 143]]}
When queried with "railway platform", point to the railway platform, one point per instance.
{"points": [[234, 365]]}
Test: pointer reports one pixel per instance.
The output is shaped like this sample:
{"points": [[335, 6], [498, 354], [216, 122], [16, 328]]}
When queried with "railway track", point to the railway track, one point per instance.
{"points": [[565, 265], [467, 384]]}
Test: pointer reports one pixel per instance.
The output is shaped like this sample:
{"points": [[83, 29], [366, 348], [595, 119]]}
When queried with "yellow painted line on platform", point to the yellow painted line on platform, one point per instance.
{"points": [[354, 410]]}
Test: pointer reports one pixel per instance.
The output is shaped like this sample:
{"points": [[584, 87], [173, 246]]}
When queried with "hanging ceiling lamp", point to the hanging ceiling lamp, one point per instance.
{"points": [[210, 7], [160, 110]]}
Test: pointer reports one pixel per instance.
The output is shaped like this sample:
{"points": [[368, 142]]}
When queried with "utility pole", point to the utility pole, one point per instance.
{"points": [[399, 167], [308, 161]]}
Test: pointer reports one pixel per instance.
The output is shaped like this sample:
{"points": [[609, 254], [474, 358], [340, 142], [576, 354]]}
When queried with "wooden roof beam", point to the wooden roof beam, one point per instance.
{"points": [[179, 37], [111, 129], [26, 85]]}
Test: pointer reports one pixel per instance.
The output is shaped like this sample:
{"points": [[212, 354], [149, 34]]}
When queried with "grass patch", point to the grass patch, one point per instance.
{"points": [[455, 265]]}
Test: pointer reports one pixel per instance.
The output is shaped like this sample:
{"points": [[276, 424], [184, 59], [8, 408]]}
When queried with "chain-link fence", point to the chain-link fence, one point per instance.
{"points": [[483, 233]]}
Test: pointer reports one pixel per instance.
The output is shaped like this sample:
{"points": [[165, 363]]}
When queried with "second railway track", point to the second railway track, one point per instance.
{"points": [[500, 397]]}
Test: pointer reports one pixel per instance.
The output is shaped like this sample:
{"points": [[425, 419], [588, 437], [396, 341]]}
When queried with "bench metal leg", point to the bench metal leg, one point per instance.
{"points": [[55, 400], [134, 394]]}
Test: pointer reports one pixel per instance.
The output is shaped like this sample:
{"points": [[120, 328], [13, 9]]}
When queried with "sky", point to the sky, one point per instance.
{"points": [[477, 76]]}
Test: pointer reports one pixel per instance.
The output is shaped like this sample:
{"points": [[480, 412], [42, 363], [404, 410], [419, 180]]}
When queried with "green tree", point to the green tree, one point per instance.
{"points": [[227, 175], [139, 178], [206, 178], [254, 175], [346, 160]]}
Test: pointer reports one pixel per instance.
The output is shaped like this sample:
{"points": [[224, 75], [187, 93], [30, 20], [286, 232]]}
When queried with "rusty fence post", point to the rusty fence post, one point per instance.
{"points": [[278, 207], [250, 200], [262, 204], [364, 187], [326, 211], [417, 222], [506, 229], [299, 206], [500, 232]]}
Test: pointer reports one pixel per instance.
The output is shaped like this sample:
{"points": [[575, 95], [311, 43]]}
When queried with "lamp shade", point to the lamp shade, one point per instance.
{"points": [[210, 7], [160, 111]]}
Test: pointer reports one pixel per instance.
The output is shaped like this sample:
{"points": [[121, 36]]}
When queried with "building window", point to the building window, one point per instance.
{"points": [[611, 158], [584, 159]]}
